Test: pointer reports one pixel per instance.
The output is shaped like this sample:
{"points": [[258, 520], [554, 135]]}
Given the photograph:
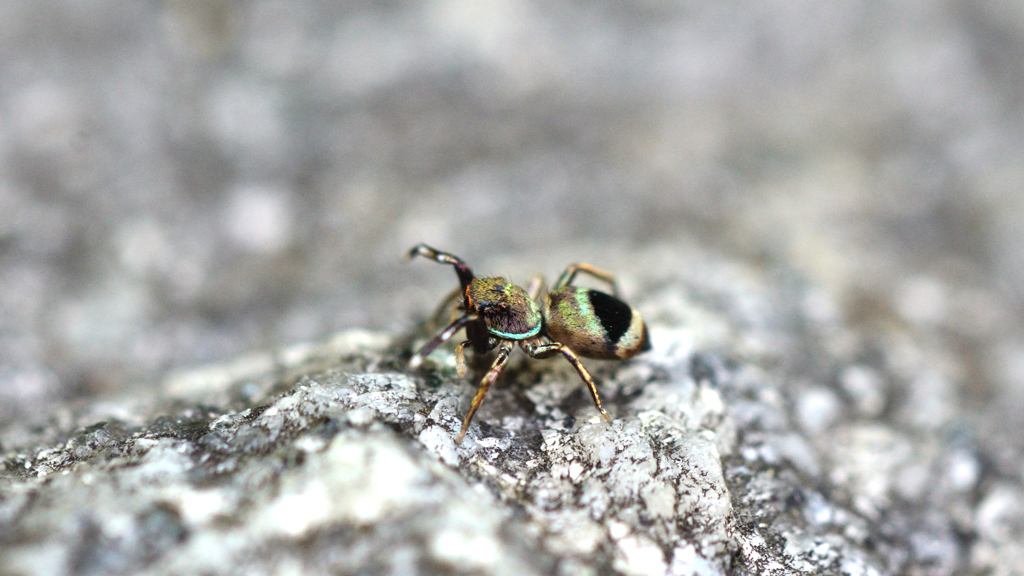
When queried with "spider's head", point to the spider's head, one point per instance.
{"points": [[507, 310]]}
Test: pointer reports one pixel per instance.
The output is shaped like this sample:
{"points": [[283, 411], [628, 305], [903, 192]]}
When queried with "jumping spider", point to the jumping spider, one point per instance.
{"points": [[571, 320]]}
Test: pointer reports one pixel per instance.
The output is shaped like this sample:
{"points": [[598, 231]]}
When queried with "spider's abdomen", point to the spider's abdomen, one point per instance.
{"points": [[594, 324]]}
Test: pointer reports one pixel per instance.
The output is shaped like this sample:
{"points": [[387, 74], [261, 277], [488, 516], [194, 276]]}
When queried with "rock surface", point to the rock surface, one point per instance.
{"points": [[755, 438], [817, 206]]}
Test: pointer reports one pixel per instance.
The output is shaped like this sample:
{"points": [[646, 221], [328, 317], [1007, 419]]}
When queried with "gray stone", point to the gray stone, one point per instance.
{"points": [[334, 457], [817, 206]]}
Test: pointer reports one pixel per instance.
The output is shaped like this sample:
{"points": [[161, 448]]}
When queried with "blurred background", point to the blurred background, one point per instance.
{"points": [[182, 181]]}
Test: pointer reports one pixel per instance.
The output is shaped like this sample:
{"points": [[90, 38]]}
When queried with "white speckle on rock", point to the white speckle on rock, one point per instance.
{"points": [[798, 451], [617, 530], [43, 559], [709, 402], [687, 562], [999, 521], [817, 510], [310, 443], [817, 409], [660, 498], [361, 416], [1000, 514], [465, 551], [575, 471], [354, 481], [143, 445], [440, 442], [164, 463], [866, 387], [198, 507], [857, 566], [598, 439], [296, 512], [573, 532], [913, 479], [701, 487], [867, 458], [963, 470], [639, 556], [389, 479], [931, 399]]}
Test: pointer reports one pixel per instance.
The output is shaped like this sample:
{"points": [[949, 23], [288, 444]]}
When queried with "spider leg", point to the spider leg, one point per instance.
{"points": [[461, 268], [533, 289], [442, 337], [570, 274], [539, 350], [445, 307], [499, 363], [460, 358]]}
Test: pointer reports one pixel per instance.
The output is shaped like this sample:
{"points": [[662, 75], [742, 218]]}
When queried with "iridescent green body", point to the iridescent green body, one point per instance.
{"points": [[594, 324], [572, 321]]}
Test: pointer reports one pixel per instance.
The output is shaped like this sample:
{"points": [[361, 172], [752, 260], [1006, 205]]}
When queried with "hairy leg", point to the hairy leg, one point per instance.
{"points": [[461, 268], [499, 363], [442, 337], [540, 350], [570, 274]]}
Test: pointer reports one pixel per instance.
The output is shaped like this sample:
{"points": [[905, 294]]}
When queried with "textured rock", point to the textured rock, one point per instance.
{"points": [[817, 206], [724, 457]]}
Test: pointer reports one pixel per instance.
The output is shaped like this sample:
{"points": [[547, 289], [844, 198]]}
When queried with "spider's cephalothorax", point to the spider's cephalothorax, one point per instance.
{"points": [[571, 321], [507, 310]]}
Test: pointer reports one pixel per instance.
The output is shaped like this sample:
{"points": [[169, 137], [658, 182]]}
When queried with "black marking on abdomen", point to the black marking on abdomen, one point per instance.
{"points": [[614, 314]]}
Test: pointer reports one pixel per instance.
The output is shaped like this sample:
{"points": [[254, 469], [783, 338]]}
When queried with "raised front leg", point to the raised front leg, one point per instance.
{"points": [[461, 268], [499, 364], [540, 350], [442, 337], [570, 274]]}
